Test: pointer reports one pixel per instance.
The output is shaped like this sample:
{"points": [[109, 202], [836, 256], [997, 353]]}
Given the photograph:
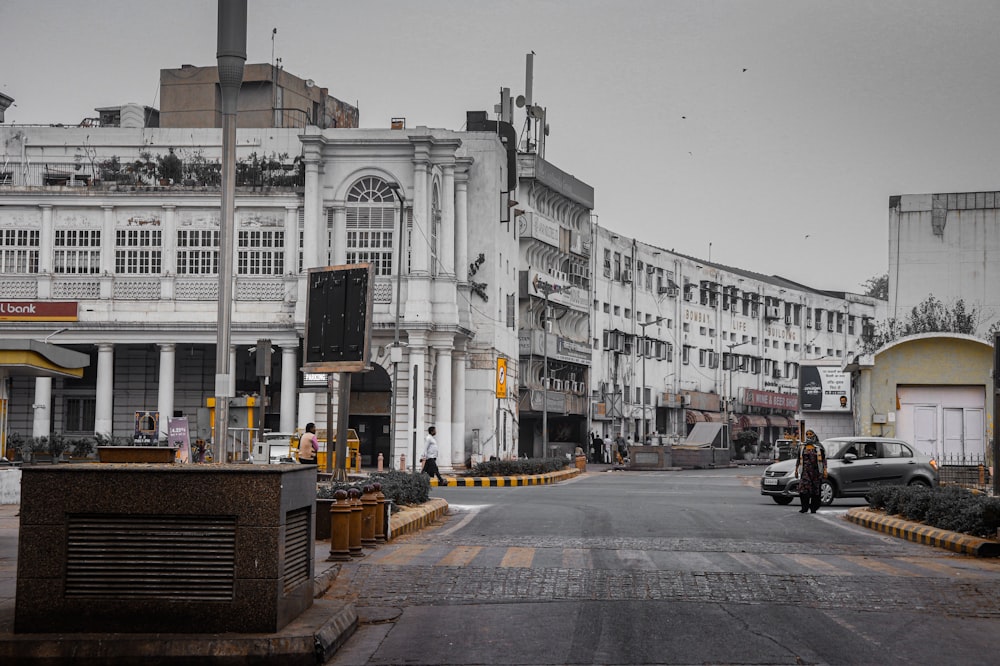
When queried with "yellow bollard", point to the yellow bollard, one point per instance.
{"points": [[402, 462], [340, 528], [369, 505], [380, 463], [354, 499], [380, 514]]}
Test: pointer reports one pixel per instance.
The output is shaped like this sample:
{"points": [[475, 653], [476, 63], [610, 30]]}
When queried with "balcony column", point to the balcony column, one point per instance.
{"points": [[165, 390], [339, 250], [41, 425], [462, 221], [289, 387], [46, 242], [169, 254], [447, 240], [442, 406], [291, 240], [104, 403], [107, 252], [313, 237]]}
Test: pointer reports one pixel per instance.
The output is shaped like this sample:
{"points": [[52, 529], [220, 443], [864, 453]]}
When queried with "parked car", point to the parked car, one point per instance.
{"points": [[855, 465]]}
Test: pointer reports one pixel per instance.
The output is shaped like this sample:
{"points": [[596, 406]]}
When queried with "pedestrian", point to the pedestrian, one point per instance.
{"points": [[607, 449], [810, 468], [308, 445], [595, 447], [429, 459]]}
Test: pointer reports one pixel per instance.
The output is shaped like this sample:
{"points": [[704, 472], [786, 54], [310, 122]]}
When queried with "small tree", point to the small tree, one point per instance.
{"points": [[877, 286], [930, 316]]}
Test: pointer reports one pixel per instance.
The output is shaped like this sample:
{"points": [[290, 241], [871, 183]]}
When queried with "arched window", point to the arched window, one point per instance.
{"points": [[371, 211]]}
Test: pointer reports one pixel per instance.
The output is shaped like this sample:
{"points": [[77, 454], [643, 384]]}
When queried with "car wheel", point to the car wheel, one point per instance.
{"points": [[920, 482], [781, 500], [826, 493]]}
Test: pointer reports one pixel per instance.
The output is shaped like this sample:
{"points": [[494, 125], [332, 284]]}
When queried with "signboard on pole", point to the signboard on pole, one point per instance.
{"points": [[178, 436], [824, 388], [501, 377], [338, 319]]}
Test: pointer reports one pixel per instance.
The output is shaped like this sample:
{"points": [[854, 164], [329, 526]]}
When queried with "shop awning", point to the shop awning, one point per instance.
{"points": [[694, 416], [40, 359], [780, 421], [714, 417], [752, 421]]}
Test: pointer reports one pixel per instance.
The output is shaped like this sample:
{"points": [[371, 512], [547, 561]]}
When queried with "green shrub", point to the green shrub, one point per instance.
{"points": [[948, 508], [400, 487], [518, 467]]}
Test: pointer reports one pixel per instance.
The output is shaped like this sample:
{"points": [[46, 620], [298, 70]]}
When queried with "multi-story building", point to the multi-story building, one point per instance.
{"points": [[121, 262], [678, 340]]}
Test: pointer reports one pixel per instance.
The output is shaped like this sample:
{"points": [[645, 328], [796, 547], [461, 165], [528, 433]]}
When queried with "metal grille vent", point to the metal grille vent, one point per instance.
{"points": [[151, 557], [297, 548]]}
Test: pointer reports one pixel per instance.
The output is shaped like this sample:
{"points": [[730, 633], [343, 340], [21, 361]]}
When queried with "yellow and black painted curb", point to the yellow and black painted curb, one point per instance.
{"points": [[924, 534], [506, 481], [413, 518]]}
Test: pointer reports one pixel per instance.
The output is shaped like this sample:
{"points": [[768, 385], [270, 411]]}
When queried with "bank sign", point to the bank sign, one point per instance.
{"points": [[824, 389], [38, 311]]}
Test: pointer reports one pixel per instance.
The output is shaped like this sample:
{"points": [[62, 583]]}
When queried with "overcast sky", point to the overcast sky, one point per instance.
{"points": [[768, 133]]}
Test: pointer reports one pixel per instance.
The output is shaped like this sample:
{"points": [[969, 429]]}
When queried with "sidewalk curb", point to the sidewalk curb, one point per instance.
{"points": [[412, 519], [506, 481], [923, 534]]}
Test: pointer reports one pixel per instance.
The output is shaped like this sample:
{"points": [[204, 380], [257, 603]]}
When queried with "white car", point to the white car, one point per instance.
{"points": [[275, 448]]}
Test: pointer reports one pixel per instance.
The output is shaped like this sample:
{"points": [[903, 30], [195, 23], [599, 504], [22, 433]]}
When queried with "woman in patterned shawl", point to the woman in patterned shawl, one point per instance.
{"points": [[811, 470]]}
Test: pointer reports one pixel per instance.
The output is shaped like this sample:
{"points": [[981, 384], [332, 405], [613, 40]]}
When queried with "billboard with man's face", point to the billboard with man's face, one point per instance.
{"points": [[824, 389]]}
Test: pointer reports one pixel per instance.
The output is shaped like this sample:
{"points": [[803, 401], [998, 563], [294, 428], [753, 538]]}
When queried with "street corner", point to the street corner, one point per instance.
{"points": [[506, 481], [923, 534]]}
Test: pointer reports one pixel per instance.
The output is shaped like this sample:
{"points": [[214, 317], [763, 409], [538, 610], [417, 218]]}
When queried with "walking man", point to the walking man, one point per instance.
{"points": [[429, 458]]}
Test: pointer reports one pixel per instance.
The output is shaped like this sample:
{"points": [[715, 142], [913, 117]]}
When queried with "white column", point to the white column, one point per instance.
{"points": [[442, 407], [165, 391], [107, 252], [458, 408], [447, 240], [104, 405], [46, 239], [462, 225], [417, 360], [169, 240], [289, 387], [41, 425], [420, 250], [307, 409], [339, 235], [314, 236], [291, 240]]}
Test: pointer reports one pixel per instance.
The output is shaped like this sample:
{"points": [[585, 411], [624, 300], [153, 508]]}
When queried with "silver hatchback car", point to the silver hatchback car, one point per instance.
{"points": [[854, 465]]}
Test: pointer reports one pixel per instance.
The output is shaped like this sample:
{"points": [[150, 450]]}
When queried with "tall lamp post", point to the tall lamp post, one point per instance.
{"points": [[642, 393], [231, 56], [729, 393], [397, 351]]}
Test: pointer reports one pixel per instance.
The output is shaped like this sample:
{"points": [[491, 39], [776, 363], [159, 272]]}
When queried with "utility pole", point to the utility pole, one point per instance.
{"points": [[642, 394]]}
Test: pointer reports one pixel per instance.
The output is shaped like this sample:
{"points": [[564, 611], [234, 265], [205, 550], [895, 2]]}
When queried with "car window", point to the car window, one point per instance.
{"points": [[869, 450], [896, 450]]}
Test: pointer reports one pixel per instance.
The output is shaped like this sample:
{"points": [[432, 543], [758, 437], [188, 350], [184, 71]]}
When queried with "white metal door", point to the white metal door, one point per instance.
{"points": [[925, 433], [953, 420], [975, 435]]}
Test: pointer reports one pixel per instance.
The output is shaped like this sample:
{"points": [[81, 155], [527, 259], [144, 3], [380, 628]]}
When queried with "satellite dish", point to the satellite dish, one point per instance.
{"points": [[535, 111], [519, 101], [310, 83]]}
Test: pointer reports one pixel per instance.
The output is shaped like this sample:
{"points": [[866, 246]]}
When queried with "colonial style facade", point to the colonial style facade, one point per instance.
{"points": [[102, 253]]}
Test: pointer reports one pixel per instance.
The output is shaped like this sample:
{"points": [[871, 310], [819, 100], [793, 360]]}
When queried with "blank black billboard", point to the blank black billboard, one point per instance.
{"points": [[338, 318]]}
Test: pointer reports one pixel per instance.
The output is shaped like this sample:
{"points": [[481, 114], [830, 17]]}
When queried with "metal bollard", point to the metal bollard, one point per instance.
{"points": [[380, 463], [340, 528], [369, 505], [354, 499], [402, 462], [380, 514]]}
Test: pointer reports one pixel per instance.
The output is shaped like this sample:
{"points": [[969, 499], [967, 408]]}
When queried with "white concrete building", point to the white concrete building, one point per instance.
{"points": [[677, 340], [97, 255], [948, 246]]}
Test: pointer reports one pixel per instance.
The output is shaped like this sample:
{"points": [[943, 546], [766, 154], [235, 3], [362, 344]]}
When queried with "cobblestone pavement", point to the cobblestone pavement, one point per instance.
{"points": [[427, 569]]}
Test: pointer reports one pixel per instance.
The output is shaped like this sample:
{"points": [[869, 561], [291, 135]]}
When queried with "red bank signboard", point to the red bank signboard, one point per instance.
{"points": [[38, 310]]}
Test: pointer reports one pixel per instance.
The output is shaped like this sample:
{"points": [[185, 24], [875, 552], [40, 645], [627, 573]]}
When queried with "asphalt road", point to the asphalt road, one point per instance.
{"points": [[692, 567]]}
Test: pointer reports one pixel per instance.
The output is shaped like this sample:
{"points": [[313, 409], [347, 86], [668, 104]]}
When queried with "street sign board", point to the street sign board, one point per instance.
{"points": [[338, 319]]}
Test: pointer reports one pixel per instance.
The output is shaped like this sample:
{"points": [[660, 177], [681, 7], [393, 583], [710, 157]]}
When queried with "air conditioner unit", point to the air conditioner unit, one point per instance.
{"points": [[788, 319], [688, 295], [669, 291], [829, 326], [557, 385], [686, 400], [627, 275], [771, 312]]}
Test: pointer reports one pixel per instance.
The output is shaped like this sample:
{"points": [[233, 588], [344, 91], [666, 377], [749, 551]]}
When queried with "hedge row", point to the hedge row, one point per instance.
{"points": [[400, 487], [948, 508], [517, 467]]}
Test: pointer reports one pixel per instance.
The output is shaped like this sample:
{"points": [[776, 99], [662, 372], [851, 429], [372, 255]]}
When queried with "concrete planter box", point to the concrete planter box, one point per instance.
{"points": [[136, 454], [223, 548]]}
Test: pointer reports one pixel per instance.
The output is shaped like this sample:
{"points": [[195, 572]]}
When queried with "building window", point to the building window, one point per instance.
{"points": [[371, 220], [77, 251], [138, 251], [618, 310], [79, 415], [607, 263], [197, 252], [261, 253], [19, 250]]}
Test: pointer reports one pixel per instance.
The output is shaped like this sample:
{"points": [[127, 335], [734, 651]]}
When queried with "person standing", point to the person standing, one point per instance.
{"points": [[429, 458], [607, 449], [811, 470], [596, 444], [308, 445]]}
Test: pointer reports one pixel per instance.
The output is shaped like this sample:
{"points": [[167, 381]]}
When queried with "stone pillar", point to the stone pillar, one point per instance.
{"points": [[462, 222], [46, 240], [169, 240], [165, 391], [307, 409], [339, 250], [420, 251], [107, 252], [41, 425], [289, 387], [417, 347], [291, 240], [104, 404], [442, 407], [458, 407], [446, 251], [314, 236]]}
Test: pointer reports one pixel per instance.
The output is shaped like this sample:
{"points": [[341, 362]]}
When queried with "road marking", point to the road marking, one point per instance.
{"points": [[755, 563], [879, 566], [470, 511], [577, 558], [819, 566], [518, 557], [636, 559], [459, 556], [403, 554]]}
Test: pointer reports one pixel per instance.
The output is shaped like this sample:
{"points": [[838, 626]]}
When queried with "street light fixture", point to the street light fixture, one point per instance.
{"points": [[396, 354], [642, 393]]}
